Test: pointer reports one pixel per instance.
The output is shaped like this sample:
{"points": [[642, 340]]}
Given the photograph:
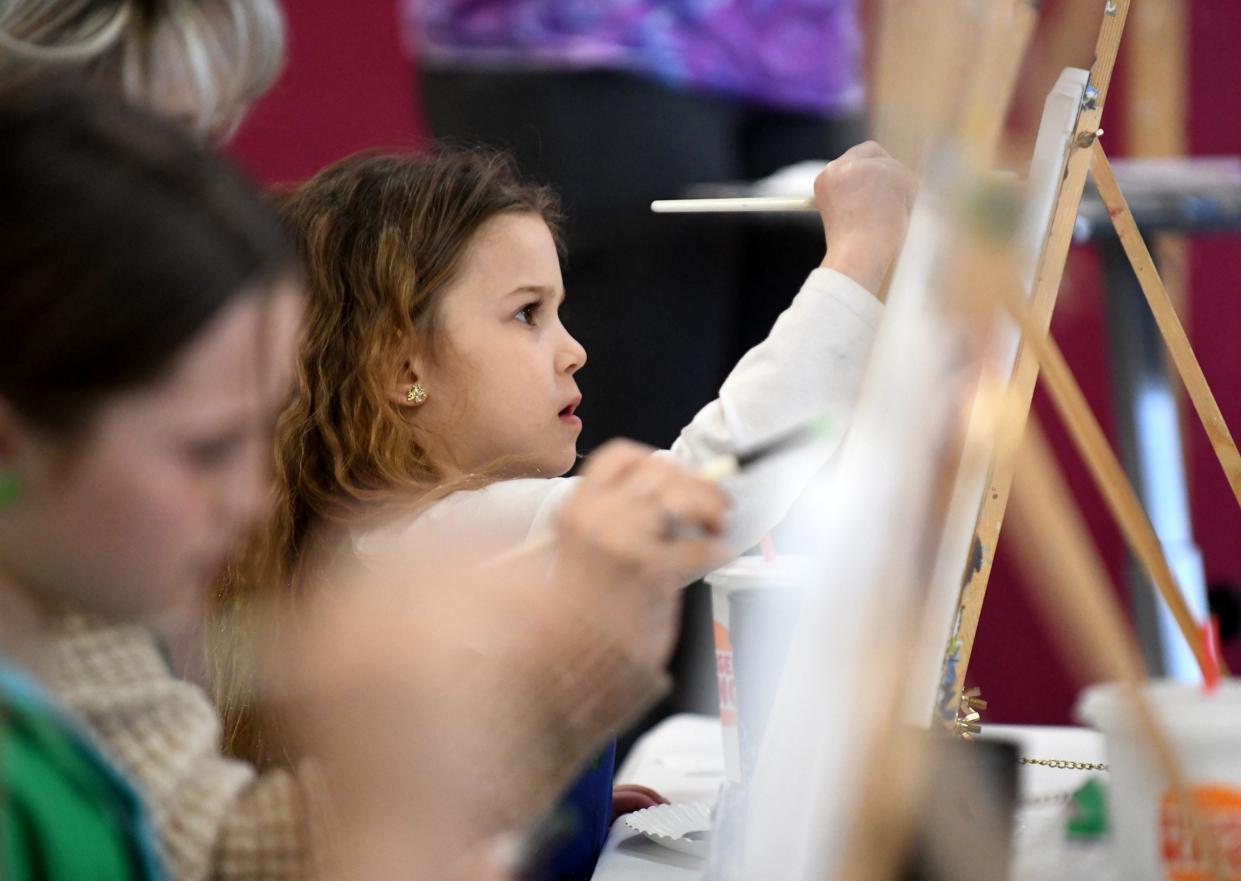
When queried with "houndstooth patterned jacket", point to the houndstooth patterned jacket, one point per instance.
{"points": [[218, 819]]}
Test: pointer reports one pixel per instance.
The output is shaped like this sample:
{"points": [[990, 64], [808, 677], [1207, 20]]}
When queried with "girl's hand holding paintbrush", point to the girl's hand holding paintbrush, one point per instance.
{"points": [[864, 199]]}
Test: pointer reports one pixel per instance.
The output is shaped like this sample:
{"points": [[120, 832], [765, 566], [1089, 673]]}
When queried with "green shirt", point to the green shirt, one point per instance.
{"points": [[65, 813]]}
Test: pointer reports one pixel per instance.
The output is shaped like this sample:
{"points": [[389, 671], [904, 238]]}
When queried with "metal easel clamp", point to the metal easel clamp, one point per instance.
{"points": [[1085, 140]]}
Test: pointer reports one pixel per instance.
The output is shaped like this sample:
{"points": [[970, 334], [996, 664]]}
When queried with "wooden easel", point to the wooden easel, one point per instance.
{"points": [[1087, 156], [1082, 607], [932, 379], [916, 111]]}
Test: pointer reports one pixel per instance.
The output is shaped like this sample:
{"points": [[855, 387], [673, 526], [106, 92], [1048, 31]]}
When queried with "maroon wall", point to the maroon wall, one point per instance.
{"points": [[347, 87]]}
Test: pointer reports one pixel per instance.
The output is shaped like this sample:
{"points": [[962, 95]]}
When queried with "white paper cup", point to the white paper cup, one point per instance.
{"points": [[1150, 837], [754, 604]]}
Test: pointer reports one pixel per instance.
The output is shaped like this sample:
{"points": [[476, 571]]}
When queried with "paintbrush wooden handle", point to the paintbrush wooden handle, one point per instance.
{"points": [[723, 206]]}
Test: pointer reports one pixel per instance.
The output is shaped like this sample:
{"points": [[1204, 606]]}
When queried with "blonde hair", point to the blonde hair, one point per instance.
{"points": [[381, 238], [231, 51]]}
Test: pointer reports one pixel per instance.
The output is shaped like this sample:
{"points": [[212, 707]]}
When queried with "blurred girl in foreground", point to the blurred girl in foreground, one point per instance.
{"points": [[147, 325]]}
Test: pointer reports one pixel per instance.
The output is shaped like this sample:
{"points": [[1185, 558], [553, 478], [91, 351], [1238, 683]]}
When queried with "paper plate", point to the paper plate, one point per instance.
{"points": [[667, 825]]}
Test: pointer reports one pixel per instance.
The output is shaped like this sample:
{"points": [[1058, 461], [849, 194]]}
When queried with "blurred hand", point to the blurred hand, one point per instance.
{"points": [[638, 528], [412, 682], [864, 198], [368, 689]]}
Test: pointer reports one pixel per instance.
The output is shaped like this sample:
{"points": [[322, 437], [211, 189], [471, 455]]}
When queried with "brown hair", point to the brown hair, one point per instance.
{"points": [[381, 238], [84, 313]]}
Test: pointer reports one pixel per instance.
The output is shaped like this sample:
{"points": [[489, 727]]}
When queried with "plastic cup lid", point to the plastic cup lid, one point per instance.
{"points": [[1185, 704]]}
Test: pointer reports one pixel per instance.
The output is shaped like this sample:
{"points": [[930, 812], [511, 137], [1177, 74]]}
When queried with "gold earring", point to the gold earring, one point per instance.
{"points": [[416, 394]]}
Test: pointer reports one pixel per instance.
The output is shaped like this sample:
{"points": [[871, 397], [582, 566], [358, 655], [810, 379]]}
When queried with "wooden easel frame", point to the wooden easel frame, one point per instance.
{"points": [[1087, 156]]}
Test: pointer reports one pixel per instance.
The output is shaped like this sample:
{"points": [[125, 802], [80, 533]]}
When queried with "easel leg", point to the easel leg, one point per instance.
{"points": [[1169, 324], [1105, 468], [1147, 416]]}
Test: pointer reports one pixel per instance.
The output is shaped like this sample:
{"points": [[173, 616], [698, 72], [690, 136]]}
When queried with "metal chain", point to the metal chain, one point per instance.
{"points": [[1064, 764]]}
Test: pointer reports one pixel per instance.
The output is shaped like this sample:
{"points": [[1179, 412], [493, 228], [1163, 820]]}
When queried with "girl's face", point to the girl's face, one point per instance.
{"points": [[133, 516], [500, 387]]}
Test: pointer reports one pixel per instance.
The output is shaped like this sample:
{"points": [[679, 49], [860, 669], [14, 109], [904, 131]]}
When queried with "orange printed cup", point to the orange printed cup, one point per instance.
{"points": [[1181, 852], [1152, 838]]}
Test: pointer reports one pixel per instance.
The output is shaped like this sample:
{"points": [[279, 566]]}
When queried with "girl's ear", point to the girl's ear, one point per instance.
{"points": [[409, 386]]}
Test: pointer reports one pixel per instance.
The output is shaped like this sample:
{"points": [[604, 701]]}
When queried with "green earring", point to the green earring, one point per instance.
{"points": [[10, 489]]}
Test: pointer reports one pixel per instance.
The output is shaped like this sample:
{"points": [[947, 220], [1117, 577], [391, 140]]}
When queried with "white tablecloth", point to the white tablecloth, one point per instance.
{"points": [[682, 758]]}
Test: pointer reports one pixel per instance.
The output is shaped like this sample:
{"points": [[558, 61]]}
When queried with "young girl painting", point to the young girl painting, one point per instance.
{"points": [[435, 366]]}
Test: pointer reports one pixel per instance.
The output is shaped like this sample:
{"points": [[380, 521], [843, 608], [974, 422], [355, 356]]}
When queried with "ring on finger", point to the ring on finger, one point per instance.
{"points": [[670, 525]]}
